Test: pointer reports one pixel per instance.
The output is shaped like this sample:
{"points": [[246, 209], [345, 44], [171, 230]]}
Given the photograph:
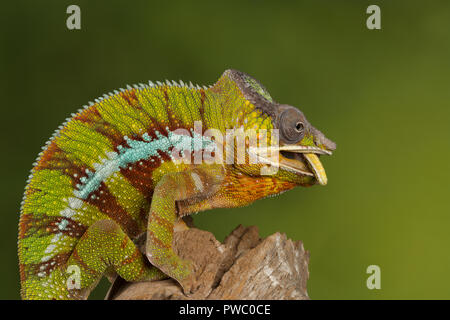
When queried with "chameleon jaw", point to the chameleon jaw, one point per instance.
{"points": [[303, 160], [304, 149], [287, 165], [308, 155], [294, 149]]}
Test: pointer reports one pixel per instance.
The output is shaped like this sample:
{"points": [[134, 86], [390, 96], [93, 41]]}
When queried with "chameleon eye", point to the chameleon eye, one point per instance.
{"points": [[299, 126], [291, 126]]}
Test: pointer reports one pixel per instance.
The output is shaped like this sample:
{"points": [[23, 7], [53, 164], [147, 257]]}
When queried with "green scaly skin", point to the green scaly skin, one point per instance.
{"points": [[107, 177]]}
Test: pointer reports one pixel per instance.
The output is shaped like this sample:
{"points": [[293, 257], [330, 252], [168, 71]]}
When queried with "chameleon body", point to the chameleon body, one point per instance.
{"points": [[107, 176]]}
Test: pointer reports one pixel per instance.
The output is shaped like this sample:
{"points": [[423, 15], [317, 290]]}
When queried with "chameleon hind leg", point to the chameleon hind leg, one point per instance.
{"points": [[104, 248], [193, 185]]}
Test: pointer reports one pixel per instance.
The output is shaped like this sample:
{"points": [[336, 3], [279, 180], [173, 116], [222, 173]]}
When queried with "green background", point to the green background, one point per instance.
{"points": [[382, 95]]}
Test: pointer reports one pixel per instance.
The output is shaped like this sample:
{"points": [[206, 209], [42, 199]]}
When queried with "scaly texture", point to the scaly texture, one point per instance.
{"points": [[108, 175]]}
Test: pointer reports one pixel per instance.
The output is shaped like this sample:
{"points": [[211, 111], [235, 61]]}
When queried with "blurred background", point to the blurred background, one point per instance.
{"points": [[382, 95]]}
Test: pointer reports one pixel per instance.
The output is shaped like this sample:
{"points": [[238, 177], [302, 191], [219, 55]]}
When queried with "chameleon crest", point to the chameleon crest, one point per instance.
{"points": [[109, 175]]}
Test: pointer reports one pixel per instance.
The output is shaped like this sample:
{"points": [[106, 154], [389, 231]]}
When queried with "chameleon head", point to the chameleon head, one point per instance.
{"points": [[300, 144]]}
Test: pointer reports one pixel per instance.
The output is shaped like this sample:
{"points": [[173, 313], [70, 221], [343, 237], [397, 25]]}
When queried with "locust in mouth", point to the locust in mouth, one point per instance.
{"points": [[304, 160]]}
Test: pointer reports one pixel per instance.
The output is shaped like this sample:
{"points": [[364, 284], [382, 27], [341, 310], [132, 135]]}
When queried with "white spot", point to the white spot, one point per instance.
{"points": [[63, 224], [268, 271], [75, 203], [50, 248], [67, 212], [197, 181], [56, 238]]}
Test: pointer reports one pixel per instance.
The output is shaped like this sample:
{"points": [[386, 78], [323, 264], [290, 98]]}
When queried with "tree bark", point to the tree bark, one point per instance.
{"points": [[244, 266]]}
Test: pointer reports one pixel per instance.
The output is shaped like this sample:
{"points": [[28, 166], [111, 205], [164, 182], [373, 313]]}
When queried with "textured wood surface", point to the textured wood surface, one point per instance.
{"points": [[244, 266]]}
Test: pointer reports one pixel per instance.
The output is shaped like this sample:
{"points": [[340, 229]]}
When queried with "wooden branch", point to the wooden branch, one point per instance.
{"points": [[243, 267]]}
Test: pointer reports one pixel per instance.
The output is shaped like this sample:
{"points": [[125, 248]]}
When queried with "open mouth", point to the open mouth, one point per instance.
{"points": [[298, 156], [303, 160], [312, 163]]}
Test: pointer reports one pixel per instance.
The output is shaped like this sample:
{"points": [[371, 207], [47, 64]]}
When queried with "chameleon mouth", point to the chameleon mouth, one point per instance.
{"points": [[303, 160], [299, 158]]}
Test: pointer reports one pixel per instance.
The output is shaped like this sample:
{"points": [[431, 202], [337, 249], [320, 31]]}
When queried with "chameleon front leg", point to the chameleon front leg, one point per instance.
{"points": [[103, 248], [192, 185]]}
